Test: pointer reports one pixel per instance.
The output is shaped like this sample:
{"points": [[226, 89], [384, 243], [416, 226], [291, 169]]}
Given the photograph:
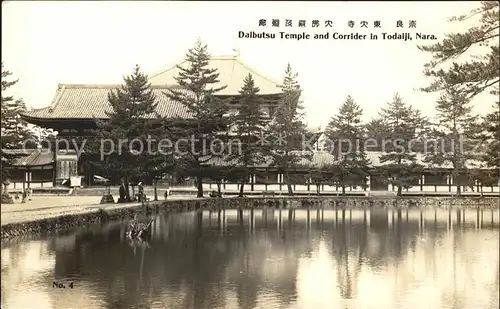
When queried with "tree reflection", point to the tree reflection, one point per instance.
{"points": [[193, 264]]}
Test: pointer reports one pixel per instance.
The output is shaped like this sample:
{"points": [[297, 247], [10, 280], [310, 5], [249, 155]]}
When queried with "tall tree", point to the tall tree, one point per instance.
{"points": [[130, 123], [287, 130], [15, 132], [480, 73], [205, 108], [399, 158], [454, 132], [249, 123], [159, 162], [492, 125], [375, 134], [344, 134]]}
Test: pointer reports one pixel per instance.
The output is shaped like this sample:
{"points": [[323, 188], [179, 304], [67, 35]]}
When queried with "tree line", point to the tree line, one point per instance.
{"points": [[400, 122], [208, 122]]}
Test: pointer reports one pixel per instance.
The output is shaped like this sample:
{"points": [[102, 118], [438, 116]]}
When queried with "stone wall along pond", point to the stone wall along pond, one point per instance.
{"points": [[102, 215]]}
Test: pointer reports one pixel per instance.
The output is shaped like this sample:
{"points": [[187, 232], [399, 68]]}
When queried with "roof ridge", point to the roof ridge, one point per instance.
{"points": [[59, 92], [165, 70], [73, 86], [106, 86], [224, 57], [249, 68], [219, 57]]}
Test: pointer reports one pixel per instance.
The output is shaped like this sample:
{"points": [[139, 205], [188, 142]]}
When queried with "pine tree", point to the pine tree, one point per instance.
{"points": [[249, 123], [375, 134], [492, 125], [480, 73], [132, 118], [344, 135], [455, 130], [287, 130], [15, 132], [205, 108], [399, 157]]}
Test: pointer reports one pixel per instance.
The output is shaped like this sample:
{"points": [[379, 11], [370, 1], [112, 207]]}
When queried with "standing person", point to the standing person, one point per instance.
{"points": [[123, 195], [141, 192], [24, 196]]}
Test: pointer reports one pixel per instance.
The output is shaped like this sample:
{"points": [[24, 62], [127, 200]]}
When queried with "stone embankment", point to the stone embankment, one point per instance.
{"points": [[29, 222]]}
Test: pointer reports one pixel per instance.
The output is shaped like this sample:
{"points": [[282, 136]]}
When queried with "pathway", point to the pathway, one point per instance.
{"points": [[41, 207]]}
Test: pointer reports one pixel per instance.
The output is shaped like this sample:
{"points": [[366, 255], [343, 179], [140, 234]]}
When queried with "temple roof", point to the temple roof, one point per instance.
{"points": [[232, 71], [323, 158], [81, 101], [89, 101], [30, 157]]}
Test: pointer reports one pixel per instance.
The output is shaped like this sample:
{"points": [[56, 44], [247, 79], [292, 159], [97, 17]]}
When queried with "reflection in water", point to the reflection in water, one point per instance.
{"points": [[324, 259]]}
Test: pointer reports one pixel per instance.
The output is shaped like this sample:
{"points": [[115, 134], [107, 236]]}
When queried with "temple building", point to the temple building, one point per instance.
{"points": [[75, 108], [38, 168], [432, 181]]}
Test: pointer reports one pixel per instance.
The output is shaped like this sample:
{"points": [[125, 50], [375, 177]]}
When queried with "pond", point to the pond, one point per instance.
{"points": [[203, 260]]}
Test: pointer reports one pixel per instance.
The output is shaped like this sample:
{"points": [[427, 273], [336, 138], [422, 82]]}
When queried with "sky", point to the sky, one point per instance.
{"points": [[46, 43]]}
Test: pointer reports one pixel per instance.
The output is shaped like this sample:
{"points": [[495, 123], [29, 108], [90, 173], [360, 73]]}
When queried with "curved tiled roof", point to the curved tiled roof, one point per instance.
{"points": [[31, 157], [83, 101], [324, 158], [232, 71], [87, 101]]}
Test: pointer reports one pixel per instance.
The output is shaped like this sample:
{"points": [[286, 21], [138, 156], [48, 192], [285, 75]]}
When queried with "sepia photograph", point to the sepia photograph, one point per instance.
{"points": [[250, 155]]}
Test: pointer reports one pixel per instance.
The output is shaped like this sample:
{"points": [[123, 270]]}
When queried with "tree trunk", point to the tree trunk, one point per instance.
{"points": [[127, 192], [400, 191], [318, 186], [342, 183], [155, 187], [459, 190], [242, 185], [288, 183], [219, 184], [199, 185]]}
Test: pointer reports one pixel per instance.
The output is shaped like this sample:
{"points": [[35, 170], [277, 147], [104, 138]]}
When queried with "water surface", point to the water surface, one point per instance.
{"points": [[436, 259]]}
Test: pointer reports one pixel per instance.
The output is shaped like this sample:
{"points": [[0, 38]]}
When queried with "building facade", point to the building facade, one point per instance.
{"points": [[434, 180], [40, 168]]}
